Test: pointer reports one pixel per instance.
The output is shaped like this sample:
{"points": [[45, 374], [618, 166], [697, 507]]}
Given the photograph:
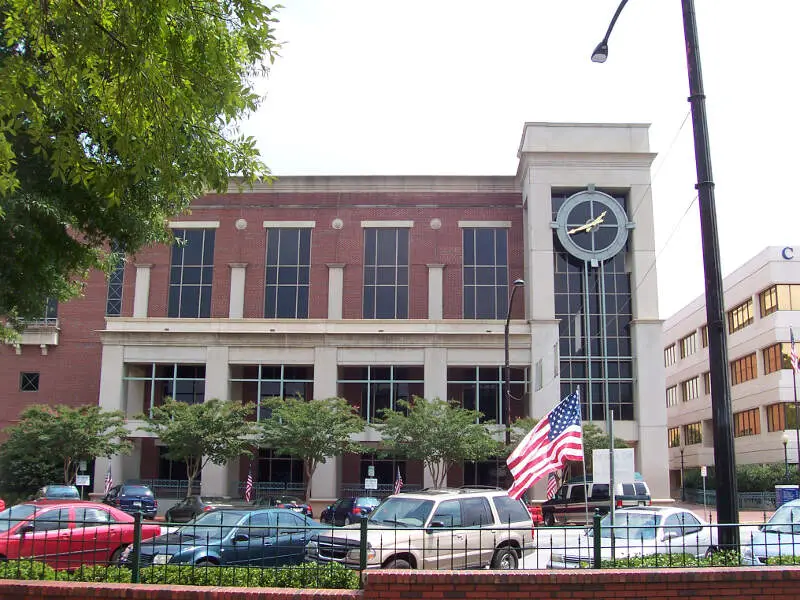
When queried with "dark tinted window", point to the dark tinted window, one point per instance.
{"points": [[449, 513], [600, 491], [52, 520], [510, 510], [628, 489], [136, 490], [578, 493], [11, 516], [641, 489], [476, 512]]}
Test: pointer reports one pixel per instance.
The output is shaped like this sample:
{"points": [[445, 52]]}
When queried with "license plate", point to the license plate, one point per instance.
{"points": [[297, 509], [137, 503]]}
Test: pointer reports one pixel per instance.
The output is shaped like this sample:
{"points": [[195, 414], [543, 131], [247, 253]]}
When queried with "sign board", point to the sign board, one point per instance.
{"points": [[82, 480], [82, 466], [623, 466], [371, 471], [703, 471], [370, 483]]}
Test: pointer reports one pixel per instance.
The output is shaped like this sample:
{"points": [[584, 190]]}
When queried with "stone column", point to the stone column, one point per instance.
{"points": [[216, 479], [335, 293], [435, 373], [435, 292], [324, 483], [141, 295], [236, 305]]}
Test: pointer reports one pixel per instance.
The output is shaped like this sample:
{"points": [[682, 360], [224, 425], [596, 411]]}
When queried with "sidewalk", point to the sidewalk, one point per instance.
{"points": [[709, 513]]}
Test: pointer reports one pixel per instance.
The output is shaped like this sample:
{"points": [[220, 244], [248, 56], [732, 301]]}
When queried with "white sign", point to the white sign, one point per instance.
{"points": [[623, 466], [82, 480], [82, 465], [703, 471], [371, 471], [370, 483]]}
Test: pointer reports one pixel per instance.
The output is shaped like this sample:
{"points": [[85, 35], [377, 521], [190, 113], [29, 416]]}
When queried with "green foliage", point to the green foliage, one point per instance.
{"points": [[26, 569], [62, 436], [727, 558], [311, 430], [213, 431], [749, 478], [440, 434], [113, 117]]}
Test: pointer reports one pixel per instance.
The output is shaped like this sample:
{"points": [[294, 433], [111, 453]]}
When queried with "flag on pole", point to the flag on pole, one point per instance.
{"points": [[552, 485], [248, 485], [556, 439], [109, 481], [793, 357], [398, 482]]}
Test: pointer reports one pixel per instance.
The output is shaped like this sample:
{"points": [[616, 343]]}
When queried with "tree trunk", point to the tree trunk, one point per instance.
{"points": [[309, 467]]}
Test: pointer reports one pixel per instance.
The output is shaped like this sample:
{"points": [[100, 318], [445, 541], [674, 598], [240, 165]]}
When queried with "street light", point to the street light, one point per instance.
{"points": [[785, 440], [518, 283], [683, 489], [722, 421]]}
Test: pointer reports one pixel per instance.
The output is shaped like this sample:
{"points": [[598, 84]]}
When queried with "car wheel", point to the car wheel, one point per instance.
{"points": [[398, 563], [205, 563], [347, 521], [549, 519], [116, 557], [505, 559]]}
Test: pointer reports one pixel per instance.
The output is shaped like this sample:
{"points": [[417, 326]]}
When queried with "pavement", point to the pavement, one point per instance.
{"points": [[709, 513]]}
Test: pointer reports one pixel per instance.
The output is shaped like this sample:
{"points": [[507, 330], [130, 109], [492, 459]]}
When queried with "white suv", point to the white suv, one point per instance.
{"points": [[434, 529]]}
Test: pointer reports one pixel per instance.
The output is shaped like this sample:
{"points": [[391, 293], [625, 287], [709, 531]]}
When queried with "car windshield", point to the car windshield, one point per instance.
{"points": [[413, 512], [631, 526], [16, 514], [288, 500], [211, 526], [136, 490], [367, 501], [61, 491], [785, 520]]}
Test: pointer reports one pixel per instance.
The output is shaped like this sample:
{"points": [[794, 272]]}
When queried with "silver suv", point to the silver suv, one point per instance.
{"points": [[434, 529]]}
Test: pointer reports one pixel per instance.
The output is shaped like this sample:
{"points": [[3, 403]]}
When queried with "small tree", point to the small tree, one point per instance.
{"points": [[213, 431], [59, 435], [311, 430], [440, 434]]}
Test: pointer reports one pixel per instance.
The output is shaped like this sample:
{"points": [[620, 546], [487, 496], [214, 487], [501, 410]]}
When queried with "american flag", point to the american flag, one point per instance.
{"points": [[398, 482], [793, 356], [109, 481], [552, 485], [248, 486], [556, 439]]}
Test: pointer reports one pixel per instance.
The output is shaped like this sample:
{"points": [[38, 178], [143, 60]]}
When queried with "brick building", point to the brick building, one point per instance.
{"points": [[377, 289]]}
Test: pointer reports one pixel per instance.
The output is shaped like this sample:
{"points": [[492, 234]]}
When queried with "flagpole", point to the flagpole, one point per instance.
{"points": [[583, 462]]}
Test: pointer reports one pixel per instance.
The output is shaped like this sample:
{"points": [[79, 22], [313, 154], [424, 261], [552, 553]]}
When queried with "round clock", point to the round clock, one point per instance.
{"points": [[592, 226]]}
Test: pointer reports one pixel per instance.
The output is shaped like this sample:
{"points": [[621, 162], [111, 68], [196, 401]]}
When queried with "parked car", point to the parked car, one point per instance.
{"points": [[191, 506], [779, 536], [571, 505], [56, 491], [641, 531], [348, 510], [434, 529], [261, 537], [291, 502], [67, 534], [133, 498]]}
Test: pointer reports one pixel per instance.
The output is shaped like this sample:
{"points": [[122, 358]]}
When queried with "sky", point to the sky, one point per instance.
{"points": [[381, 87]]}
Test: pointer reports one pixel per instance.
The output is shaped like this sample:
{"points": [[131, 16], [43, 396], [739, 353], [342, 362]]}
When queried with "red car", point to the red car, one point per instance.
{"points": [[67, 534]]}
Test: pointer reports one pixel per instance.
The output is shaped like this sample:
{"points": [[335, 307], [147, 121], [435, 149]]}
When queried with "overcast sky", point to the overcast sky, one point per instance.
{"points": [[380, 87]]}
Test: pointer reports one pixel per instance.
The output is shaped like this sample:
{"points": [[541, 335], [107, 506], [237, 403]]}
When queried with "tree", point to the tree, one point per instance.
{"points": [[214, 431], [440, 434], [49, 439], [113, 117], [311, 430]]}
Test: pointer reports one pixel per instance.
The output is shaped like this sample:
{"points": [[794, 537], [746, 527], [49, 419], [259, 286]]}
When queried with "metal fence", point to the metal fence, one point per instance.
{"points": [[746, 500]]}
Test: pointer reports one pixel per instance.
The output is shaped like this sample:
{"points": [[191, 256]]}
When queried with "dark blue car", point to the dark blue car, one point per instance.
{"points": [[132, 498], [348, 510], [262, 537]]}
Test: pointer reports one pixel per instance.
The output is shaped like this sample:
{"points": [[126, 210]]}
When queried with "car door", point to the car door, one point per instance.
{"points": [[47, 537], [182, 511], [290, 538], [479, 533], [680, 535], [94, 537], [342, 512], [444, 538], [253, 542]]}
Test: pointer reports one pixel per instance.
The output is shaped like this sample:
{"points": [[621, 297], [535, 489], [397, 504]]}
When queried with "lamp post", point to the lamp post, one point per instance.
{"points": [[683, 489], [721, 417], [785, 440], [518, 283]]}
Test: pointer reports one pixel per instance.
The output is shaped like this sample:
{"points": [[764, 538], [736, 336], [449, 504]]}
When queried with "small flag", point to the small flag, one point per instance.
{"points": [[248, 485], [793, 357], [552, 485], [398, 482], [109, 482], [556, 439]]}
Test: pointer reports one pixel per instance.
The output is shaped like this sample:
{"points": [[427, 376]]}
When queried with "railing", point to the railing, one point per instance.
{"points": [[746, 500], [169, 488], [384, 489]]}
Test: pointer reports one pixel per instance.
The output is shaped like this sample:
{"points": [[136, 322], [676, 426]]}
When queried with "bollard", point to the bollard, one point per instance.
{"points": [[363, 544], [137, 546], [598, 542]]}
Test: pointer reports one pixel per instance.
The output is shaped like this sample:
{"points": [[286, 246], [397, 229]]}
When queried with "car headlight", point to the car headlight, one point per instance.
{"points": [[161, 559], [355, 554]]}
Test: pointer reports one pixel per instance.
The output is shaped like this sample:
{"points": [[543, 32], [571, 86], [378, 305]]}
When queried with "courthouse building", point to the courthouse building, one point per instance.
{"points": [[377, 289]]}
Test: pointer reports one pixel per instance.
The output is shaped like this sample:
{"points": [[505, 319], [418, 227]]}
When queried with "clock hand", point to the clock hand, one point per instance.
{"points": [[589, 224]]}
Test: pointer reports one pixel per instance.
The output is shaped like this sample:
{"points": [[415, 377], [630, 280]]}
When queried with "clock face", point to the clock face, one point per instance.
{"points": [[592, 226]]}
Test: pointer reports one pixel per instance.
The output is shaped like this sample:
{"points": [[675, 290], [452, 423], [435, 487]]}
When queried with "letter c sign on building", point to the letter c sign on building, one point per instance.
{"points": [[788, 253]]}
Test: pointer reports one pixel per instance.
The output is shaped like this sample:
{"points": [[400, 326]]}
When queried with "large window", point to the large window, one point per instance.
{"points": [[273, 467], [481, 388], [185, 383], [669, 355], [744, 369], [288, 273], [777, 357], [779, 297], [689, 344], [674, 437], [746, 423], [115, 281], [255, 383], [372, 389], [781, 416], [741, 316], [693, 433], [672, 396], [690, 389], [707, 383], [485, 273], [385, 273], [191, 273], [704, 336]]}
